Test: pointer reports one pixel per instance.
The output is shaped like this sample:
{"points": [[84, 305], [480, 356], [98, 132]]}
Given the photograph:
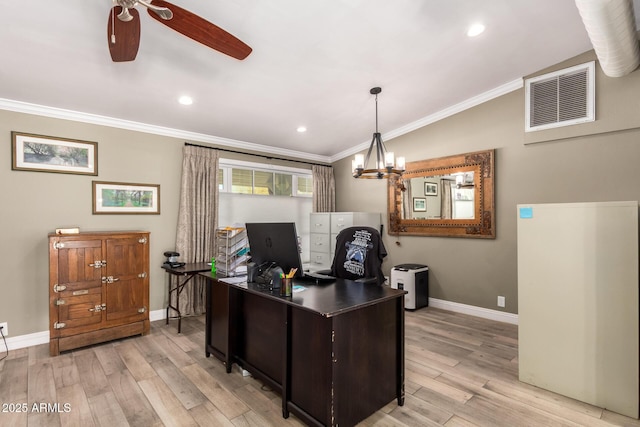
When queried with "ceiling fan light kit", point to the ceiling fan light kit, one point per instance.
{"points": [[123, 29], [385, 167]]}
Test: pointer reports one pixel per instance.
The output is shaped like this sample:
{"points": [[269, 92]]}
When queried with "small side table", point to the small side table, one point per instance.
{"points": [[186, 272]]}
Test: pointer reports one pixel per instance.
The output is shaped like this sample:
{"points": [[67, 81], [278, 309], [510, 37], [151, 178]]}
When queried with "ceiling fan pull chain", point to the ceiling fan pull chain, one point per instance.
{"points": [[113, 26]]}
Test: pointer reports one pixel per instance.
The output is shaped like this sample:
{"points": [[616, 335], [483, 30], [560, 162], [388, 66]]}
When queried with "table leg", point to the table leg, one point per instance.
{"points": [[178, 304], [169, 300]]}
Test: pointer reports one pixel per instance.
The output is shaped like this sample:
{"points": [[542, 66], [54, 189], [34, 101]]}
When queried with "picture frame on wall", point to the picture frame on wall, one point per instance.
{"points": [[430, 189], [41, 153], [125, 198], [419, 204]]}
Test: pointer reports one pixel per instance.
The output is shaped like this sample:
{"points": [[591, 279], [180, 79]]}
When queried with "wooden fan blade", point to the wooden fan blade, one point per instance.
{"points": [[201, 30], [123, 37]]}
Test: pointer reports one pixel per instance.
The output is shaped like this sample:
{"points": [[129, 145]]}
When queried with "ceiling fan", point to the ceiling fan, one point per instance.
{"points": [[123, 29]]}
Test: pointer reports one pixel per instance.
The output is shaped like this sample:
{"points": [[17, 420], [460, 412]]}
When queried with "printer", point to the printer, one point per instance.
{"points": [[413, 278]]}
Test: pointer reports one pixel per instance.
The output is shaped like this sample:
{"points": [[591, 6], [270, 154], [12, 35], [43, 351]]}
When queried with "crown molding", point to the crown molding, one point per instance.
{"points": [[442, 114], [60, 113]]}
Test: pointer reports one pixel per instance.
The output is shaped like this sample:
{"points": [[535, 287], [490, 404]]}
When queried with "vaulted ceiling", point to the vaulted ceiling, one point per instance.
{"points": [[312, 65]]}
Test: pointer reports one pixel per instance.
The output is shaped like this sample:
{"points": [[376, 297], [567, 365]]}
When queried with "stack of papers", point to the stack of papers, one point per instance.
{"points": [[231, 250]]}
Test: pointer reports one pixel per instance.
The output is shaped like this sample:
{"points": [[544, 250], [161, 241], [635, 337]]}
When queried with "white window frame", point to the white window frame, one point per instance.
{"points": [[228, 164]]}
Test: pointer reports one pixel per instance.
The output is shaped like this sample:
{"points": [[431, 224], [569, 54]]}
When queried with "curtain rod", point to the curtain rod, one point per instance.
{"points": [[258, 155]]}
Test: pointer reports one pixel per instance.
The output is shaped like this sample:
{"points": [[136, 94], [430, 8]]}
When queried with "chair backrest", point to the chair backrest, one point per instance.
{"points": [[359, 254]]}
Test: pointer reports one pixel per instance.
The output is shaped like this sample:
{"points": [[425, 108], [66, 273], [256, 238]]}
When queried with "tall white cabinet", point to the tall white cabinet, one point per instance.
{"points": [[325, 226], [578, 301]]}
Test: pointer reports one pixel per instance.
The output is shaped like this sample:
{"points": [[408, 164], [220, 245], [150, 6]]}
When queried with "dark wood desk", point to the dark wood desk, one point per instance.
{"points": [[335, 352], [188, 271]]}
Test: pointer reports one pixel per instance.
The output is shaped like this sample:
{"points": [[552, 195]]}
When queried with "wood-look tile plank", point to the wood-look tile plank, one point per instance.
{"points": [[134, 403], [92, 377], [65, 370], [208, 415], [172, 351], [250, 419], [14, 378], [42, 391], [182, 340], [226, 401], [460, 371], [109, 359], [265, 407], [416, 412], [181, 385], [107, 411], [545, 400], [165, 403], [79, 413], [457, 421], [149, 349], [134, 361]]}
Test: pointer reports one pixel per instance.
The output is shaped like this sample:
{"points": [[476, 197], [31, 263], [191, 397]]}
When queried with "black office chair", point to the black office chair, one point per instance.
{"points": [[359, 255]]}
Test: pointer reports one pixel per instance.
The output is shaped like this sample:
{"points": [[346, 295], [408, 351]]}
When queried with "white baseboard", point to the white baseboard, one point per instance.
{"points": [[157, 315], [472, 310], [37, 338]]}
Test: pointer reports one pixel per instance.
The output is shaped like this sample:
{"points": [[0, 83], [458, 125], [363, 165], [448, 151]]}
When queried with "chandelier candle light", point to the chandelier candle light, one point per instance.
{"points": [[385, 166]]}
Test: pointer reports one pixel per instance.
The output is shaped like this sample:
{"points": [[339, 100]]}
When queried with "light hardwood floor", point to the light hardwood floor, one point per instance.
{"points": [[460, 371]]}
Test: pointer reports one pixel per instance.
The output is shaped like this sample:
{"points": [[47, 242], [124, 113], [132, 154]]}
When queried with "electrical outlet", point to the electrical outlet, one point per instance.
{"points": [[5, 328], [500, 301]]}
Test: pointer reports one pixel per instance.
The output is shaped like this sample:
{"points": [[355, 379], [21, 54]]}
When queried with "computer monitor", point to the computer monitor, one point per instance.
{"points": [[275, 242]]}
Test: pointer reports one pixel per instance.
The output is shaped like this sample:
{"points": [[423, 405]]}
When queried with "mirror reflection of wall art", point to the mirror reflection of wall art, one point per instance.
{"points": [[124, 198], [41, 153], [419, 204], [430, 189]]}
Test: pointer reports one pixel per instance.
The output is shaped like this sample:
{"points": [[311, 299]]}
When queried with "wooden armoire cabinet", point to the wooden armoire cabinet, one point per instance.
{"points": [[98, 287]]}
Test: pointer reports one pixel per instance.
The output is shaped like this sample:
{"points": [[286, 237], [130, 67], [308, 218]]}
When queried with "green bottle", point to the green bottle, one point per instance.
{"points": [[213, 265]]}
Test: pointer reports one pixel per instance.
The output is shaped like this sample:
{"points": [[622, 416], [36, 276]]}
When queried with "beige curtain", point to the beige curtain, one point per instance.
{"points": [[197, 219], [324, 189]]}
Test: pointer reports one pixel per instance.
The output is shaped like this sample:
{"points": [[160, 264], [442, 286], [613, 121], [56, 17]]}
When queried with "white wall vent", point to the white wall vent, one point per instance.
{"points": [[562, 98]]}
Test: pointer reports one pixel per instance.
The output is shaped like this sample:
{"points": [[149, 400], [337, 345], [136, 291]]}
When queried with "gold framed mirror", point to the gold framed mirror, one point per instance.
{"points": [[449, 196]]}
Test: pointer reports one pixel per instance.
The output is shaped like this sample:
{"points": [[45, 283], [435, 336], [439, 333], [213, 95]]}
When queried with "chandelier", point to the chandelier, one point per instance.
{"points": [[385, 166]]}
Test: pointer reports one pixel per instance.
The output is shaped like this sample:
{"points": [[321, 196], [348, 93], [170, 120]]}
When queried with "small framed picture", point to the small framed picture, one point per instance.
{"points": [[419, 204], [41, 153], [430, 189], [125, 198]]}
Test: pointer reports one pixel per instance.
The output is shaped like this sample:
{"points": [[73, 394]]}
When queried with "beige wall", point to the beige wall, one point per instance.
{"points": [[601, 167], [595, 167], [35, 203]]}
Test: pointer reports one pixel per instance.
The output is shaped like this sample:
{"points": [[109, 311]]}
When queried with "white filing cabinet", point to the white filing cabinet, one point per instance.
{"points": [[325, 226]]}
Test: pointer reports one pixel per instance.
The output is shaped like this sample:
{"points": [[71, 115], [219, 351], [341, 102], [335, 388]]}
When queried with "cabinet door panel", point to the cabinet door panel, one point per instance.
{"points": [[125, 297], [74, 264]]}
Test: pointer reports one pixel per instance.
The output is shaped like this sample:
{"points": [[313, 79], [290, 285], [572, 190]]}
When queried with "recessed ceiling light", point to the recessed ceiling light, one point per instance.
{"points": [[475, 30], [185, 100], [301, 129]]}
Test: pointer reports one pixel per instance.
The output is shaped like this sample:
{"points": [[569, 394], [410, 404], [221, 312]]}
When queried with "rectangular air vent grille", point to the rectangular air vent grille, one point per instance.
{"points": [[562, 98]]}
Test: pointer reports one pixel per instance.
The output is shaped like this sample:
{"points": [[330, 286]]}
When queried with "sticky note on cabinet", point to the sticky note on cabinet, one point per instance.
{"points": [[526, 212]]}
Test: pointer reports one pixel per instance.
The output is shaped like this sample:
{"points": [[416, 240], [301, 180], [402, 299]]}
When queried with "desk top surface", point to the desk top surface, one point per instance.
{"points": [[189, 268], [327, 299]]}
